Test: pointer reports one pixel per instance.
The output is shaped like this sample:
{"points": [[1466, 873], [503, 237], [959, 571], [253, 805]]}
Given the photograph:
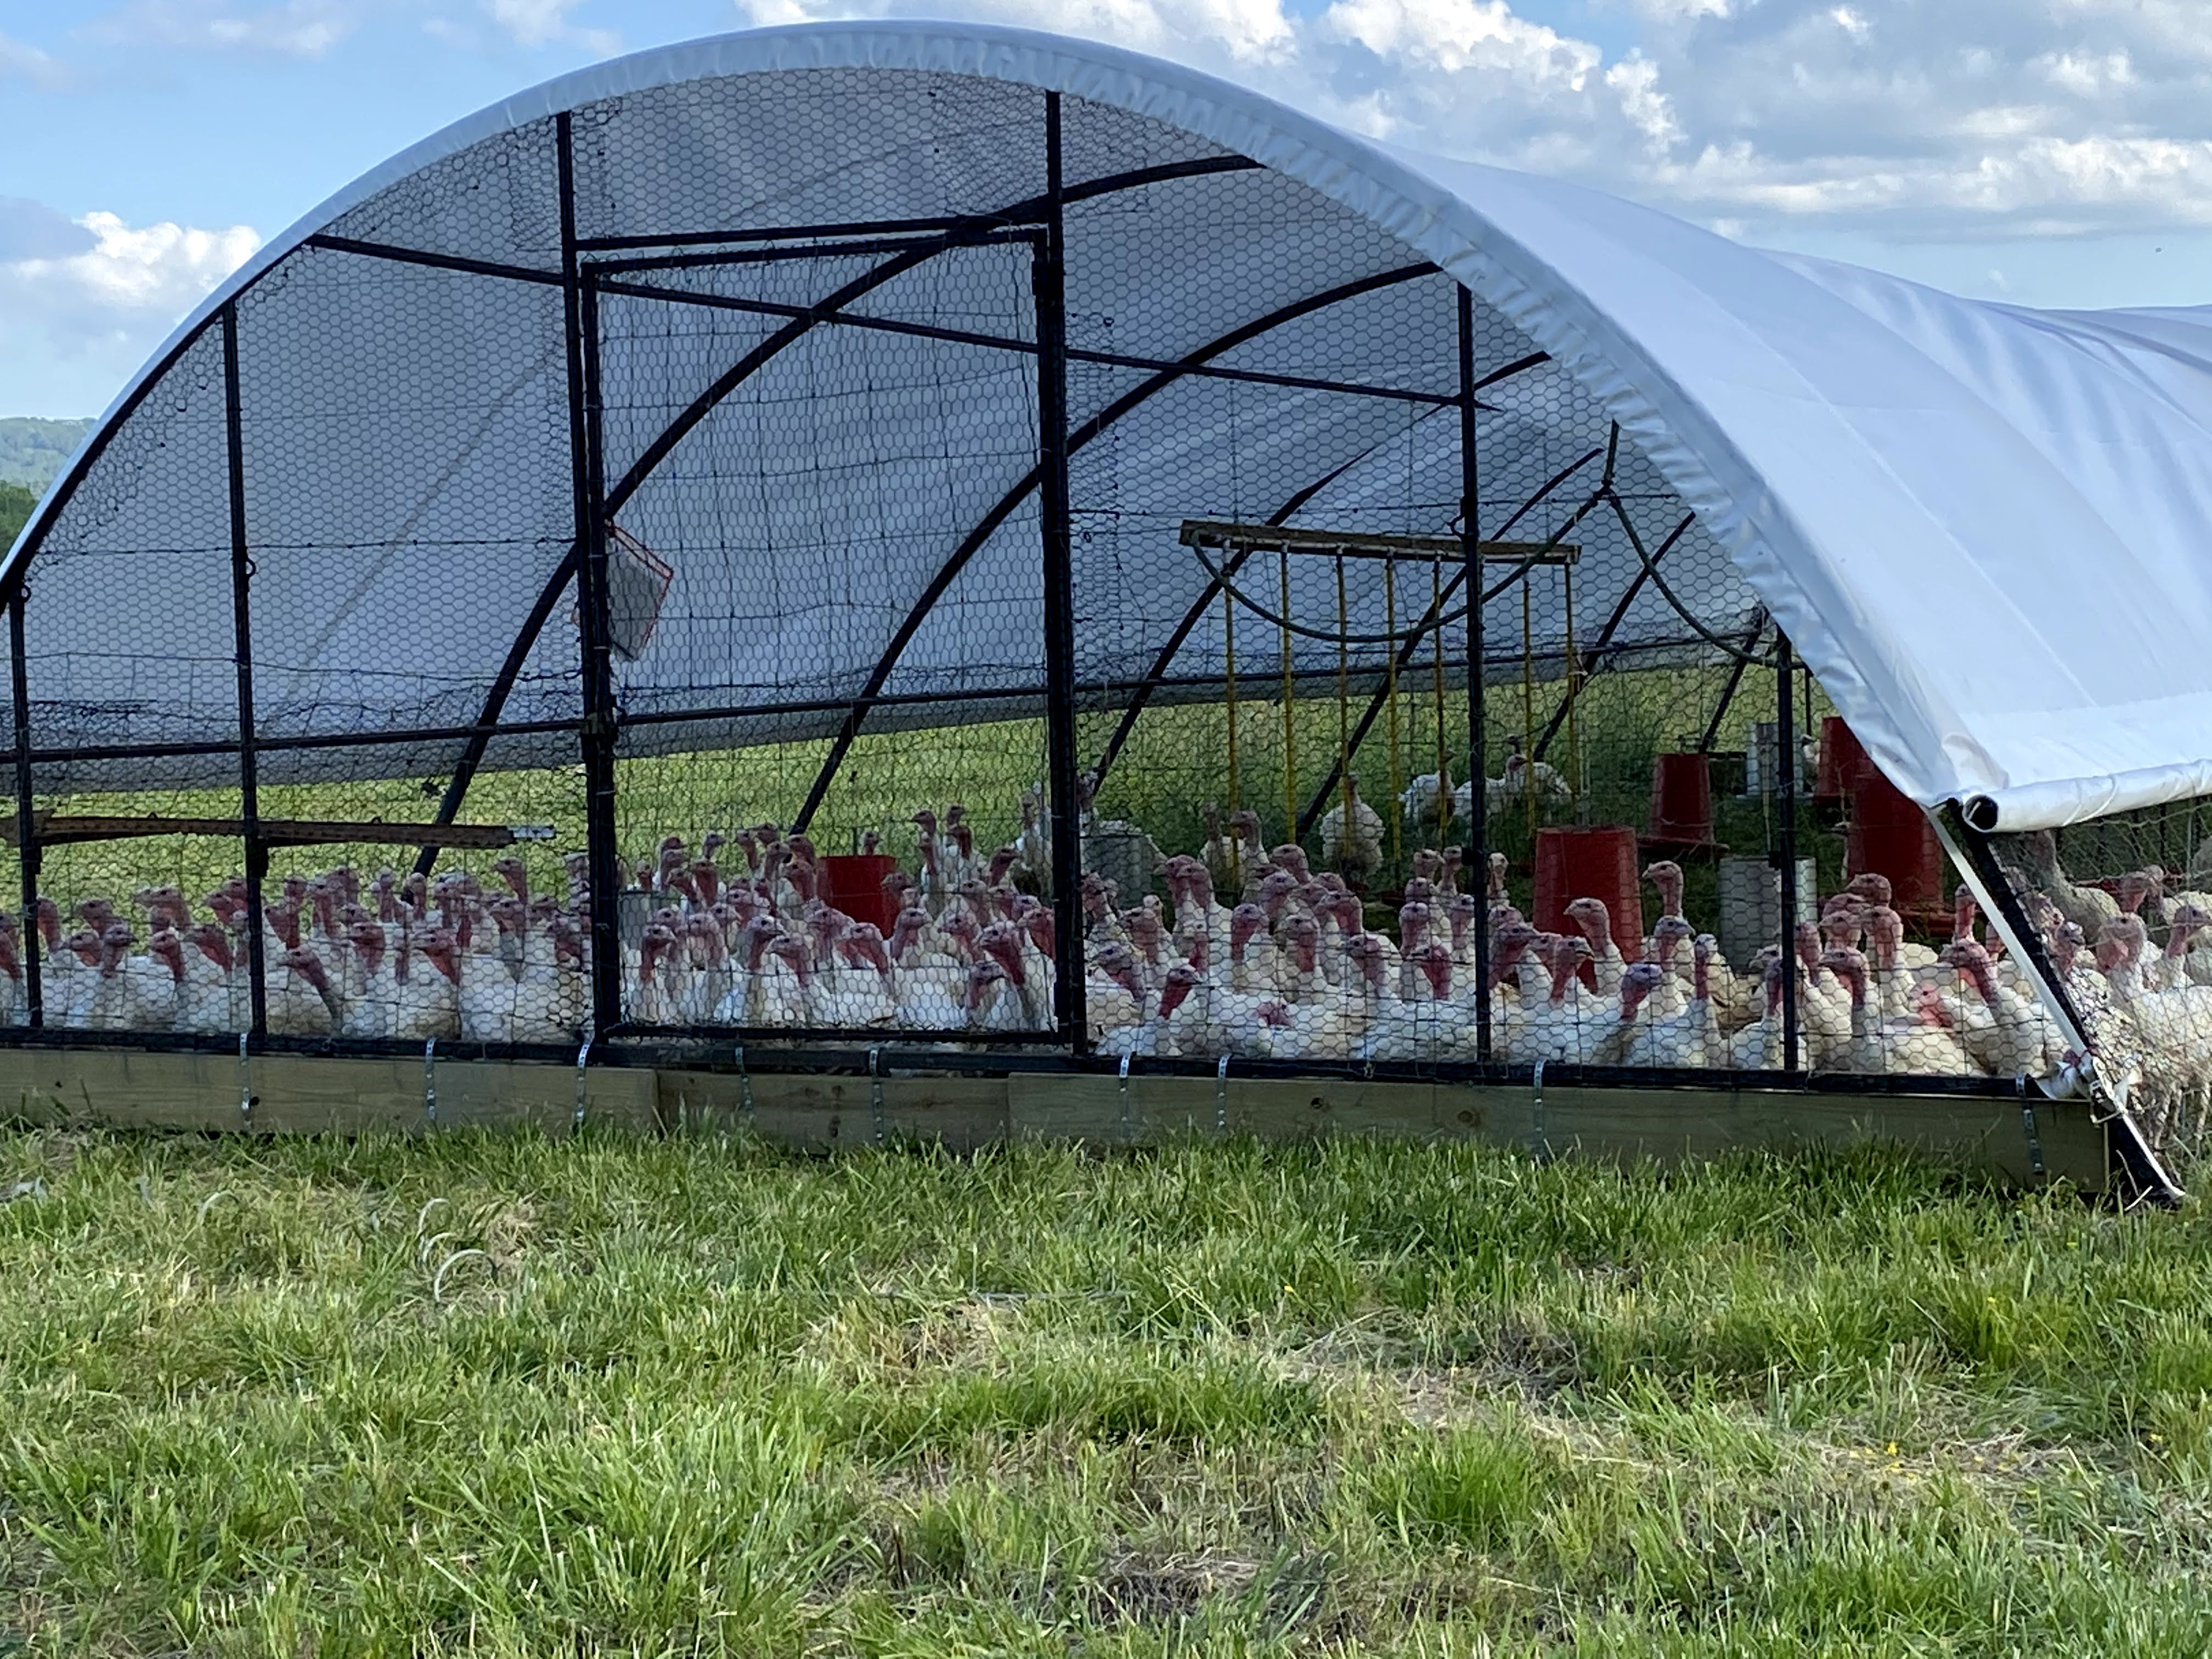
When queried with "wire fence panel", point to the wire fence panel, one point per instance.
{"points": [[830, 739]]}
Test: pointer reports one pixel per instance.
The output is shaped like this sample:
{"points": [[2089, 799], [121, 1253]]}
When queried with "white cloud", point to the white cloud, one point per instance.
{"points": [[19, 59], [295, 28], [546, 22], [129, 282], [31, 230], [1968, 118], [1459, 36]]}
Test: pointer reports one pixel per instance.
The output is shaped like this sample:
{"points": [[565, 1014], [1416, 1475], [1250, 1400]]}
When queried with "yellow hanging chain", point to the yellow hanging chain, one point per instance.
{"points": [[1228, 701], [1443, 755], [1343, 699]]}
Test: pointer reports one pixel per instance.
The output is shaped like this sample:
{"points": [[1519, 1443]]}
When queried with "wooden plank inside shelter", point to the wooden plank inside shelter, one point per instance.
{"points": [[54, 828], [1224, 533]]}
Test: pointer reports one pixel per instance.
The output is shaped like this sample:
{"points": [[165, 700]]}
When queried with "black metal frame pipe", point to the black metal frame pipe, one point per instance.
{"points": [[636, 290], [1601, 657], [596, 732], [1743, 661], [241, 581], [1785, 787], [27, 838], [1025, 212], [1470, 509], [987, 526], [1059, 549]]}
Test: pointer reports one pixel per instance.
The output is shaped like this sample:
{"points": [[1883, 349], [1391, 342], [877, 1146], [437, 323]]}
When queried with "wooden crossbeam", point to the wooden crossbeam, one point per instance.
{"points": [[56, 829], [1226, 534]]}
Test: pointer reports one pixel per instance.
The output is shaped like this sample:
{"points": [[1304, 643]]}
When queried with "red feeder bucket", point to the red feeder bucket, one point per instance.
{"points": [[853, 882], [1843, 763], [1599, 864], [1681, 803], [1890, 836]]}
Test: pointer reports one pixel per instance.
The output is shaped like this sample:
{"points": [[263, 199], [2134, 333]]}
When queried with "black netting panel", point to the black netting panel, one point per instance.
{"points": [[498, 200], [408, 496], [784, 149], [1098, 143], [128, 626]]}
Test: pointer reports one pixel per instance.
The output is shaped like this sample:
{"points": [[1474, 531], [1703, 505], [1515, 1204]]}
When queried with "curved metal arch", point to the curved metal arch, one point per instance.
{"points": [[988, 525], [1282, 514], [1319, 801], [1030, 211]]}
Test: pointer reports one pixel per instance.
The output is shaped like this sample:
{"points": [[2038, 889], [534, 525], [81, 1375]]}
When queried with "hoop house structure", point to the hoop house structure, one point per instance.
{"points": [[936, 546]]}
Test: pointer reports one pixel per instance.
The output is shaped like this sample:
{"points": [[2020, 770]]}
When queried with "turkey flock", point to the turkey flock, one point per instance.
{"points": [[1292, 971], [1250, 951]]}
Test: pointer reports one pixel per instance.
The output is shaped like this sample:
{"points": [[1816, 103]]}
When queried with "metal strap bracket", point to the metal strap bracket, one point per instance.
{"points": [[876, 1091], [2035, 1163], [744, 1089], [1540, 1133], [430, 1082], [1221, 1097], [245, 1084], [583, 1054], [1125, 1096]]}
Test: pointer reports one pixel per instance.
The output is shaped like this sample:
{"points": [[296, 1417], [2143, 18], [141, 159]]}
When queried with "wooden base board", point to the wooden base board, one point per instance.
{"points": [[295, 1094]]}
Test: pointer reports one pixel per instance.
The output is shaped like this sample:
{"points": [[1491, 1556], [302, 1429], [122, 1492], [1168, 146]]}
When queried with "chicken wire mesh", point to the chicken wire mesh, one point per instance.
{"points": [[803, 450]]}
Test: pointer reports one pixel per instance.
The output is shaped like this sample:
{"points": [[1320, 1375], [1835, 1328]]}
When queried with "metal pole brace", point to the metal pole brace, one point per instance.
{"points": [[245, 1084], [876, 1091], [2035, 1163], [430, 1082], [1538, 1130], [744, 1089], [576, 1118], [1221, 1097], [1125, 1097]]}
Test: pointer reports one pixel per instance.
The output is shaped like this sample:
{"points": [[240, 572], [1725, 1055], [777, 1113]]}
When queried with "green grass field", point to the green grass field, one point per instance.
{"points": [[499, 1395]]}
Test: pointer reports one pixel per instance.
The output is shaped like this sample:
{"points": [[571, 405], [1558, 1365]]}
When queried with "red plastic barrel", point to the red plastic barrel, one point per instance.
{"points": [[1891, 836], [853, 882], [1599, 864], [1681, 803], [1843, 763]]}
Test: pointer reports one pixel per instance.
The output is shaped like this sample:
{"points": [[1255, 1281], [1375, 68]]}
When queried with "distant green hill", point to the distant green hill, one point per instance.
{"points": [[16, 505], [32, 450]]}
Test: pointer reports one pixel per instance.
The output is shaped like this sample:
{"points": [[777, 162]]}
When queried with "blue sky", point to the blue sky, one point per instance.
{"points": [[2053, 152]]}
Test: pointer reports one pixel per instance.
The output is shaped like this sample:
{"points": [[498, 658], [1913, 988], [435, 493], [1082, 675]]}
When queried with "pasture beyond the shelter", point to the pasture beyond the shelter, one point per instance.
{"points": [[499, 1395]]}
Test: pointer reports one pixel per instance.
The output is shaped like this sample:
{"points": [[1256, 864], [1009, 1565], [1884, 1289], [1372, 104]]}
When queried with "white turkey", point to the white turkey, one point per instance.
{"points": [[1352, 834]]}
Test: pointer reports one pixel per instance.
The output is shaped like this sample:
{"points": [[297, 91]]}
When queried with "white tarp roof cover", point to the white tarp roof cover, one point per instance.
{"points": [[1985, 528]]}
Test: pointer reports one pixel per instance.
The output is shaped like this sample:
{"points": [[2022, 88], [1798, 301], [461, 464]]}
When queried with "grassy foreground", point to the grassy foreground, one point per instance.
{"points": [[497, 1395]]}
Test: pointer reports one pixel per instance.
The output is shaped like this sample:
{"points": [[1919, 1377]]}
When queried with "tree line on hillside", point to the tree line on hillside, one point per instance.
{"points": [[31, 450], [16, 505]]}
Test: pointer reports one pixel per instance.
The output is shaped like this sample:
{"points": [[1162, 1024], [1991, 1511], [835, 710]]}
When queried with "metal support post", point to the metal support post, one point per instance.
{"points": [[596, 735], [241, 580], [1785, 784], [1069, 1016], [26, 840], [598, 731], [1478, 851]]}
